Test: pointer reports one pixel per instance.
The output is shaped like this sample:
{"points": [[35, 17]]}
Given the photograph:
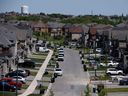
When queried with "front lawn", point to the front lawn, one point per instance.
{"points": [[35, 95], [98, 69], [33, 73], [37, 60], [25, 86], [6, 93], [108, 90]]}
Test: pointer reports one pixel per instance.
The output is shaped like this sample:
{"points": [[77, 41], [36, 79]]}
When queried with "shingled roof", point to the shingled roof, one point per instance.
{"points": [[16, 34], [76, 29], [4, 42]]}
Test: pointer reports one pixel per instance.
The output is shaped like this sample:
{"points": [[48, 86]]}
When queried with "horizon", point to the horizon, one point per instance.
{"points": [[71, 7]]}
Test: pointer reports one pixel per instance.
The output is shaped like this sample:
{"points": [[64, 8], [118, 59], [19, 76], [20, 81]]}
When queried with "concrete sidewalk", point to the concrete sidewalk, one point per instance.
{"points": [[39, 75]]}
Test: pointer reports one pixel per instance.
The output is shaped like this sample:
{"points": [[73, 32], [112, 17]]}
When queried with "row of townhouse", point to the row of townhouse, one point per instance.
{"points": [[112, 39], [70, 31], [12, 38]]}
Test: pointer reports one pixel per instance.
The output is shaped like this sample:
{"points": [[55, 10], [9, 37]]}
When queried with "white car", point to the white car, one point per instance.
{"points": [[99, 50], [109, 64], [61, 50], [73, 43], [60, 57], [19, 78], [113, 71], [58, 71], [43, 49]]}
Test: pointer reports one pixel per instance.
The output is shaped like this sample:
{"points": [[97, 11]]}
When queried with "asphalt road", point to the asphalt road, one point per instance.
{"points": [[74, 80]]}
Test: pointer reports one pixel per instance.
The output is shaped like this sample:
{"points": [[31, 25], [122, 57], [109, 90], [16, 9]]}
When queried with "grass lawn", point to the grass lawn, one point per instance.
{"points": [[42, 87], [39, 53], [25, 86], [104, 77], [33, 73], [98, 69], [116, 90], [51, 66], [7, 93], [39, 57], [46, 81], [35, 95], [37, 60], [51, 39], [49, 75], [38, 65]]}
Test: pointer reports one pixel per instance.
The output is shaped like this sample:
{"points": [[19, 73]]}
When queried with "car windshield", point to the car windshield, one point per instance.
{"points": [[58, 69], [60, 55]]}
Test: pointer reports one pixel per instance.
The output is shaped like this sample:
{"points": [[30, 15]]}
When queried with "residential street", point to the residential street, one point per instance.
{"points": [[74, 80]]}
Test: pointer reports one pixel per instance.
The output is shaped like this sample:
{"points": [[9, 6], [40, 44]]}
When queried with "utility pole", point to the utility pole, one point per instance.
{"points": [[95, 67], [16, 59]]}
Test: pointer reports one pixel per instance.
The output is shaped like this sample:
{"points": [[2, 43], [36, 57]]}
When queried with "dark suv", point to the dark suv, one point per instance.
{"points": [[124, 81], [14, 73], [27, 63]]}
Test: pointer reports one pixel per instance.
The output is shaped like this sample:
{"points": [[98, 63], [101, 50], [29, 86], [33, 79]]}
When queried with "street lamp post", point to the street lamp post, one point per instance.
{"points": [[1, 62], [16, 60]]}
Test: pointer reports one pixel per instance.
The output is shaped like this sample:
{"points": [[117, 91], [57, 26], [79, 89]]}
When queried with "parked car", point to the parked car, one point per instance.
{"points": [[27, 63], [43, 49], [19, 78], [60, 58], [61, 50], [73, 43], [11, 74], [109, 64], [58, 71], [113, 71], [61, 53], [4, 86], [122, 67], [21, 71], [99, 50], [11, 82], [123, 81]]}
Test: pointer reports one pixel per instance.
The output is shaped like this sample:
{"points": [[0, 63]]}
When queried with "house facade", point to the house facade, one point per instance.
{"points": [[55, 29]]}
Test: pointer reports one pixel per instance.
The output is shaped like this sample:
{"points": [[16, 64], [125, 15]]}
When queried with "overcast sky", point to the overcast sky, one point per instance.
{"points": [[73, 7]]}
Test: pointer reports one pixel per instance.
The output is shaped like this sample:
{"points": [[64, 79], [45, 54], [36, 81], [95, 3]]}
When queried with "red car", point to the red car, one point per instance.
{"points": [[11, 82]]}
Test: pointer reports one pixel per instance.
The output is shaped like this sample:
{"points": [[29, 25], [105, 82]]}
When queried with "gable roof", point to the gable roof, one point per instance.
{"points": [[120, 33], [76, 29], [40, 25], [4, 42], [55, 25], [16, 33], [67, 26]]}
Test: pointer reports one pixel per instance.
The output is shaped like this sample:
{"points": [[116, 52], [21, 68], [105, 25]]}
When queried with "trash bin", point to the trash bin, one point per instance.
{"points": [[85, 68], [94, 90], [52, 80], [80, 52], [55, 75], [82, 62], [42, 91]]}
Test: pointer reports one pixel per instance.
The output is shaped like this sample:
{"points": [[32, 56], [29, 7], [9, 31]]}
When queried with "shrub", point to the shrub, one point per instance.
{"points": [[100, 87]]}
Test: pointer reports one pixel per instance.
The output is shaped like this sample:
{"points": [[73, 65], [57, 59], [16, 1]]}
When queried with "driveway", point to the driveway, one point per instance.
{"points": [[74, 80]]}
